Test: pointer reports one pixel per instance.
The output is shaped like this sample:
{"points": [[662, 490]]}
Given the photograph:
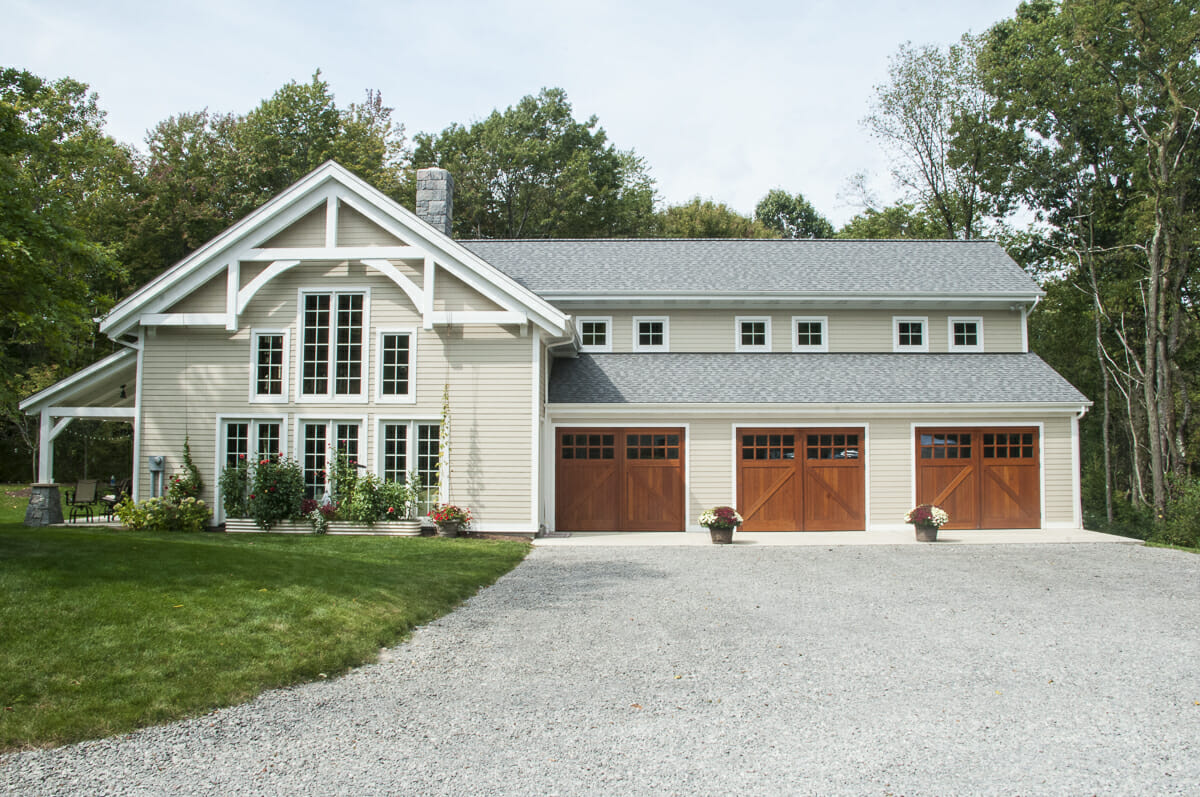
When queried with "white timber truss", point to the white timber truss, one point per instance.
{"points": [[418, 246]]}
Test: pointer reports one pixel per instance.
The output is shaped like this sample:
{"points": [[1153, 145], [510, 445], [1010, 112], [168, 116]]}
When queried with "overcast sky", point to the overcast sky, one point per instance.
{"points": [[723, 100]]}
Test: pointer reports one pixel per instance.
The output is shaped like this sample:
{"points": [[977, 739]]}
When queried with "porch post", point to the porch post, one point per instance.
{"points": [[45, 450]]}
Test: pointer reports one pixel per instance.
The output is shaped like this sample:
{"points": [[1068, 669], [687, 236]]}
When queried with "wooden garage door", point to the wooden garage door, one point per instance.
{"points": [[985, 478], [801, 479], [619, 480]]}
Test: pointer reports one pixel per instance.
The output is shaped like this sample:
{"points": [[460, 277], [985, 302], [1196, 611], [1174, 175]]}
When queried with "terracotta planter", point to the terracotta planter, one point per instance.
{"points": [[926, 532], [449, 528], [721, 536]]}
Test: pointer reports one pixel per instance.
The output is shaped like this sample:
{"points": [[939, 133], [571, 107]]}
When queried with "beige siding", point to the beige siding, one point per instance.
{"points": [[309, 230], [355, 229], [889, 457], [713, 330], [192, 375], [208, 298], [451, 293]]}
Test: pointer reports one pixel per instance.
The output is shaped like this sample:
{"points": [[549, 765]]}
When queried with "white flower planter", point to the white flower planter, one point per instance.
{"points": [[396, 528]]}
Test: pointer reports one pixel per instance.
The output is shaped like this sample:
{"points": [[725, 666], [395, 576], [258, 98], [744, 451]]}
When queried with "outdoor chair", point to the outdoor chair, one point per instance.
{"points": [[124, 489], [82, 499]]}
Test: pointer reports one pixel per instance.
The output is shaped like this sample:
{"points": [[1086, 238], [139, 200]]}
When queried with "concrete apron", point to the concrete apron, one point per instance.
{"points": [[829, 538]]}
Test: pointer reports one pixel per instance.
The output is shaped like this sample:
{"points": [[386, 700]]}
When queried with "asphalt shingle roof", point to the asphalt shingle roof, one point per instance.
{"points": [[808, 379], [731, 265]]}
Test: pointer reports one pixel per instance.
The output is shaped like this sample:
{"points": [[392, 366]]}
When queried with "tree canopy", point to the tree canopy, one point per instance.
{"points": [[791, 216], [535, 171], [704, 218]]}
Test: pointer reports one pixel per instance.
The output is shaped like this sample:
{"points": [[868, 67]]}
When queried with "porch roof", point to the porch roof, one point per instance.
{"points": [[96, 389]]}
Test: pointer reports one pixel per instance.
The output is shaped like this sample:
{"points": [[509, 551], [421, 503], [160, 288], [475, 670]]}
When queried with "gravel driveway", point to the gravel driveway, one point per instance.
{"points": [[1022, 669]]}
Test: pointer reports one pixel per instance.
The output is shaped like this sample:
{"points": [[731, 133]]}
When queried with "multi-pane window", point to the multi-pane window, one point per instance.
{"points": [[966, 334], [768, 446], [237, 442], [1008, 445], [652, 446], [268, 440], [909, 334], [945, 445], [409, 447], [753, 334], [395, 452], [315, 456], [332, 345], [588, 446], [808, 334], [268, 364], [831, 446], [395, 362], [593, 334], [650, 334]]}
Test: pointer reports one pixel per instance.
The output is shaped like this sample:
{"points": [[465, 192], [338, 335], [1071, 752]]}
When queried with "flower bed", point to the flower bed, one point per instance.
{"points": [[246, 525]]}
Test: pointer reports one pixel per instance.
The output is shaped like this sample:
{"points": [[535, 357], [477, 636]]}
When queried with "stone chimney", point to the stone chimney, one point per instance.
{"points": [[435, 198]]}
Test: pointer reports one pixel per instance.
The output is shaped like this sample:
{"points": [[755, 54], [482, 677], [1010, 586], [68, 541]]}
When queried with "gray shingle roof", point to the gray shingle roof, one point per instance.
{"points": [[808, 379], [730, 266]]}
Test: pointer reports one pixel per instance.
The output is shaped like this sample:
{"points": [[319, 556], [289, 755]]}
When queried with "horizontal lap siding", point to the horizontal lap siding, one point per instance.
{"points": [[355, 229], [849, 330], [309, 230], [193, 375], [451, 293], [208, 298]]}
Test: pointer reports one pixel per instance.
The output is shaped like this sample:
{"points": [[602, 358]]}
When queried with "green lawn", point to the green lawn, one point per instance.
{"points": [[104, 631]]}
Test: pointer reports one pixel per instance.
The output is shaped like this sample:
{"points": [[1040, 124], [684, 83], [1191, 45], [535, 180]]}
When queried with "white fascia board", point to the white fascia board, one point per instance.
{"points": [[325, 253], [107, 413], [97, 370], [556, 410], [183, 319], [123, 316]]}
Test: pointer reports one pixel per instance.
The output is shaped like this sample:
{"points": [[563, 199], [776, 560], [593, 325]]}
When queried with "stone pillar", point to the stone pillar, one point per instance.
{"points": [[45, 506], [435, 198]]}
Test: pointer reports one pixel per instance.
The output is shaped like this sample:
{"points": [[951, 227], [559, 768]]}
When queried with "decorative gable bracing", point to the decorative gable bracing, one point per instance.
{"points": [[329, 216]]}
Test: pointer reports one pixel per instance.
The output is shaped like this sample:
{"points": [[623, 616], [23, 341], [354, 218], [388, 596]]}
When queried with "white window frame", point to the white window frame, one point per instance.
{"points": [[666, 322], [410, 450], [977, 321], [255, 397], [411, 396], [823, 320], [608, 332], [253, 421], [329, 396], [331, 422], [747, 319], [922, 320]]}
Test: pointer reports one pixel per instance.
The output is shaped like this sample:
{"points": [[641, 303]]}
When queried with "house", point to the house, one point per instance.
{"points": [[594, 384]]}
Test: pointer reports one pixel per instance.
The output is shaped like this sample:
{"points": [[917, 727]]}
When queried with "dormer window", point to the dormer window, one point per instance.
{"points": [[651, 334], [810, 334], [753, 334], [966, 334], [595, 334], [910, 334]]}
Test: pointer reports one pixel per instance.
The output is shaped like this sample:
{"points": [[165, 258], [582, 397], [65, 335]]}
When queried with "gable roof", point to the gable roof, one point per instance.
{"points": [[560, 268], [883, 378], [328, 181]]}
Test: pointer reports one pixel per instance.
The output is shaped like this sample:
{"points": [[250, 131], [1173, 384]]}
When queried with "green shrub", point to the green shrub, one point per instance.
{"points": [[157, 514], [1181, 526], [188, 483], [235, 488], [366, 503], [276, 492]]}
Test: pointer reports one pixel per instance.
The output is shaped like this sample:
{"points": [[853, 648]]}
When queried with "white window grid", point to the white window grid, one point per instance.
{"points": [[657, 328], [813, 326]]}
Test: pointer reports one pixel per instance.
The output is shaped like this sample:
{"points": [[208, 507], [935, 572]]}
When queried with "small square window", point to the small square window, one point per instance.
{"points": [[753, 334], [809, 334], [909, 335], [966, 334], [595, 334], [650, 334]]}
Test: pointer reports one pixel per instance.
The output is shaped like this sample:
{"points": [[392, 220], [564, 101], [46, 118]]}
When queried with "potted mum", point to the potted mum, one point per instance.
{"points": [[927, 519], [721, 521], [450, 519]]}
